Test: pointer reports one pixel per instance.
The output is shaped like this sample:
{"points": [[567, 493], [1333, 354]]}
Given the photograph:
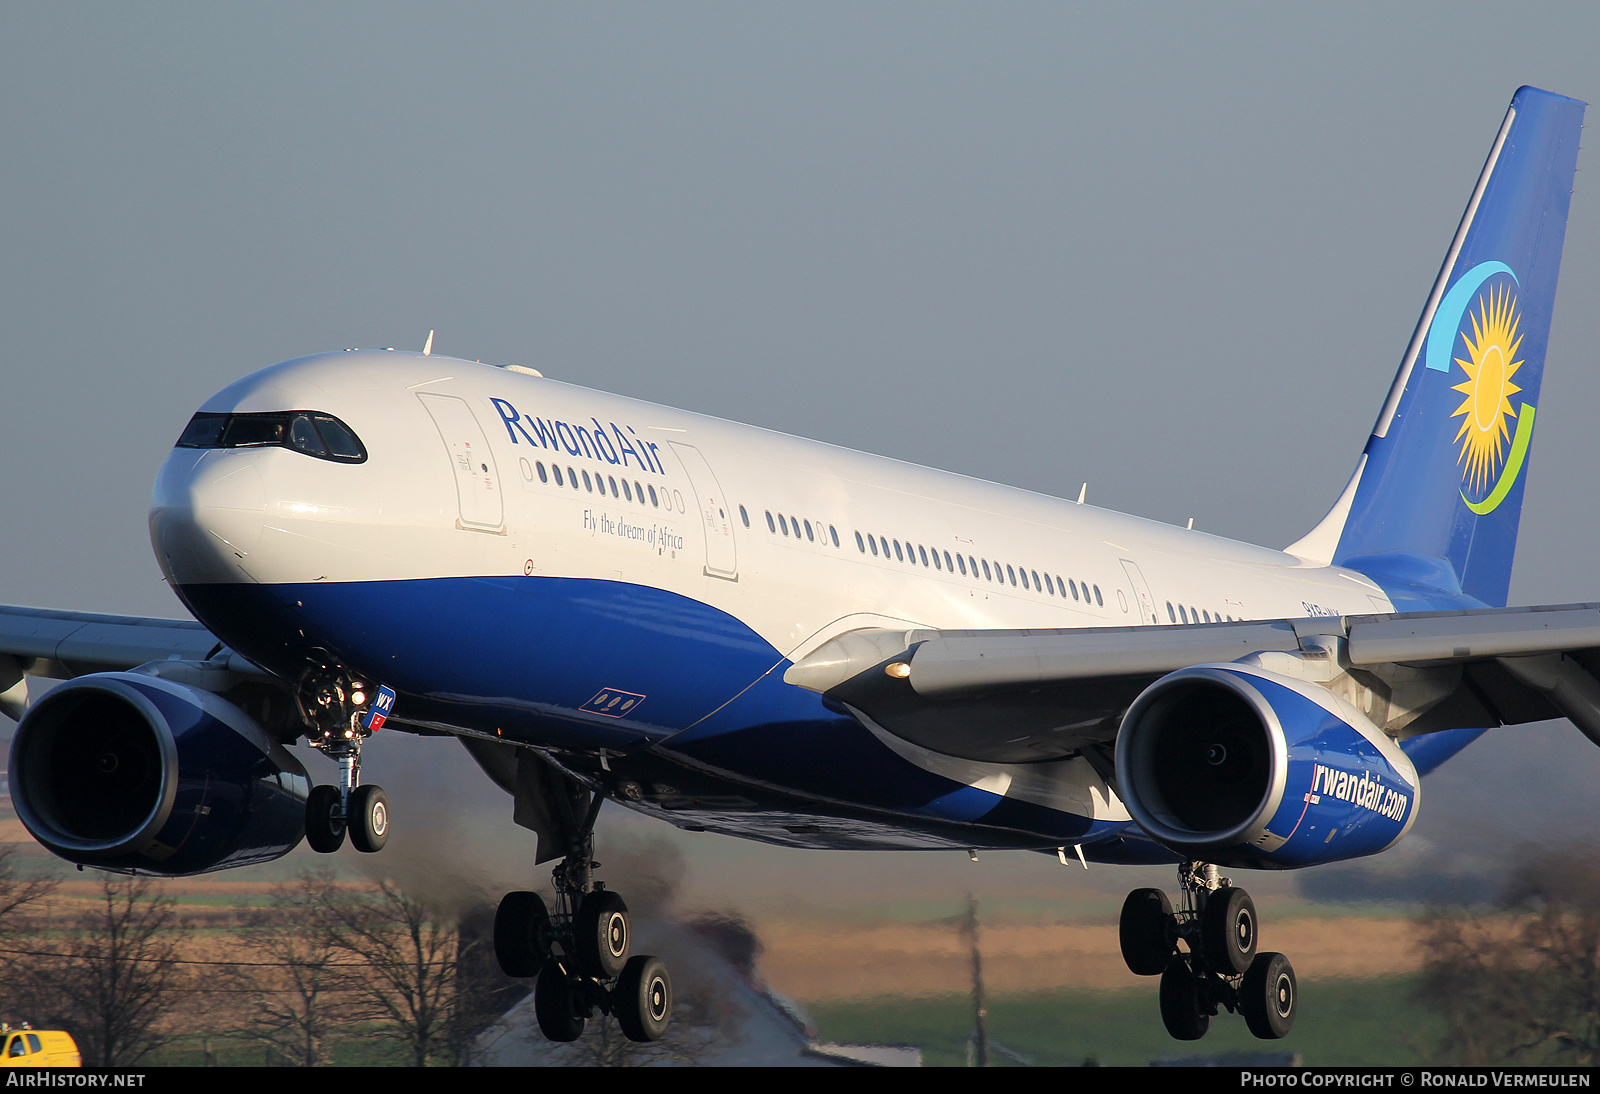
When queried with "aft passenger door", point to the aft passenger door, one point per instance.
{"points": [[1141, 592]]}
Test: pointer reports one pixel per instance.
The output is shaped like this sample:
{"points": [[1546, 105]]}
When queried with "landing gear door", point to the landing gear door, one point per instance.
{"points": [[716, 520], [477, 479], [1141, 592]]}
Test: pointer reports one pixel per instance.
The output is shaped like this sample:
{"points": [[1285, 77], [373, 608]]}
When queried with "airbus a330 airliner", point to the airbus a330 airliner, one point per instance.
{"points": [[744, 632]]}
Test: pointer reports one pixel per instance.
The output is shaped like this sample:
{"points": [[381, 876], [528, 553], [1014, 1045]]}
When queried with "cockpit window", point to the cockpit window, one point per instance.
{"points": [[319, 435]]}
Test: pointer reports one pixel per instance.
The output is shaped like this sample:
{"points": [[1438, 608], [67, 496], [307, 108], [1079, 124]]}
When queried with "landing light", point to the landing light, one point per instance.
{"points": [[898, 669]]}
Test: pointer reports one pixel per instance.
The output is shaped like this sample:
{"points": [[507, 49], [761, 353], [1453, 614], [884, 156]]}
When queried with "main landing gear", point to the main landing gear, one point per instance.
{"points": [[580, 951], [1218, 965], [338, 719]]}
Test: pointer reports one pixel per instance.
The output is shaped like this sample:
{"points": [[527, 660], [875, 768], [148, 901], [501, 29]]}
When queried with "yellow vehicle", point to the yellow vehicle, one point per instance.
{"points": [[38, 1048]]}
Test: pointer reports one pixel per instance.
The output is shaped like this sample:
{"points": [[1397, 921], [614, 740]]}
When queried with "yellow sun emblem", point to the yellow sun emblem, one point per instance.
{"points": [[1492, 350]]}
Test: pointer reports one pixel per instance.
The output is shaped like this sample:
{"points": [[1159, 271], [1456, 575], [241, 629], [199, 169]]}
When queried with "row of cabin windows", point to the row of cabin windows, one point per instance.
{"points": [[627, 492], [969, 565], [1196, 615], [790, 526]]}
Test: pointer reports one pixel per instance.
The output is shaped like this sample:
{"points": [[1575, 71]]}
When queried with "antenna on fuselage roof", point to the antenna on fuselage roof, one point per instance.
{"points": [[427, 347], [1083, 492]]}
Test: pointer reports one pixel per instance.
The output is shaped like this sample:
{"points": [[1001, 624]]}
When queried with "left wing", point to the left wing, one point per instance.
{"points": [[1015, 696], [40, 642]]}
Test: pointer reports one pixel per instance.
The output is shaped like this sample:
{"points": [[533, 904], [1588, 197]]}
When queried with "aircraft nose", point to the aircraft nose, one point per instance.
{"points": [[206, 515]]}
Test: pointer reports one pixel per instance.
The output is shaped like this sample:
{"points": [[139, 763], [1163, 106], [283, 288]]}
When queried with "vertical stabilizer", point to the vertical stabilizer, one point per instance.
{"points": [[1432, 511]]}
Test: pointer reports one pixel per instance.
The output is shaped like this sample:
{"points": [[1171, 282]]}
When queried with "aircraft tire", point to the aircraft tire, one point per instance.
{"points": [[369, 819], [1145, 931], [1269, 996], [1228, 930], [557, 1005], [324, 827], [642, 999], [1181, 1010], [521, 934], [602, 934]]}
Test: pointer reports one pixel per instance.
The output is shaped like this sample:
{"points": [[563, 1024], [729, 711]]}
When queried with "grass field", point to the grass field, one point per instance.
{"points": [[352, 1051], [1341, 1022]]}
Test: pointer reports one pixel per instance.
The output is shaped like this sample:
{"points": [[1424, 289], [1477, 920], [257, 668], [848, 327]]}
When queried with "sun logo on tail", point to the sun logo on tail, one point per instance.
{"points": [[1492, 362]]}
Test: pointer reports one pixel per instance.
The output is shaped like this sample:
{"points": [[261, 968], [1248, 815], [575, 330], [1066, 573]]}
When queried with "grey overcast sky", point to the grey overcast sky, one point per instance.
{"points": [[1174, 251]]}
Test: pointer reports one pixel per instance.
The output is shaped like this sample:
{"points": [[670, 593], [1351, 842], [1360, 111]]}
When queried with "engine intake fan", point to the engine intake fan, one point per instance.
{"points": [[1240, 766], [128, 772]]}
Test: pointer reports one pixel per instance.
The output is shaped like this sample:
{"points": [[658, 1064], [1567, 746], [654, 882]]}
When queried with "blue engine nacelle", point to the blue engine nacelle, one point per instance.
{"points": [[1244, 767], [128, 772]]}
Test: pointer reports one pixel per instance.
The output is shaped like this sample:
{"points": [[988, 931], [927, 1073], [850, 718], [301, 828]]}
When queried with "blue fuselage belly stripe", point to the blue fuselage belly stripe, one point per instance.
{"points": [[530, 658]]}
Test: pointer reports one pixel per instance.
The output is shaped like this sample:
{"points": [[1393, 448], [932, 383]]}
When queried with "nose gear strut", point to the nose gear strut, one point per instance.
{"points": [[339, 713], [580, 949], [1218, 966]]}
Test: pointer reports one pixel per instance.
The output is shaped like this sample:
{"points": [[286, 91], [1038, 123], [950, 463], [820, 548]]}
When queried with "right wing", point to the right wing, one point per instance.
{"points": [[1015, 696]]}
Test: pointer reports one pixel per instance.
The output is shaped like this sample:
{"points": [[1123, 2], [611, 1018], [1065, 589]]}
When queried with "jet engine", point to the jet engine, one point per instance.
{"points": [[128, 772], [1240, 766]]}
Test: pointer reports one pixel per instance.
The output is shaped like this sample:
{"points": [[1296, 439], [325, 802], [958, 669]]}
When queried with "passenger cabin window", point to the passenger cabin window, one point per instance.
{"points": [[744, 516], [834, 532], [304, 431], [542, 476]]}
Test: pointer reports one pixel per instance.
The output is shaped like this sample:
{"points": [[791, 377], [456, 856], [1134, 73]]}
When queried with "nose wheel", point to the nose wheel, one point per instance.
{"points": [[1217, 966], [332, 811]]}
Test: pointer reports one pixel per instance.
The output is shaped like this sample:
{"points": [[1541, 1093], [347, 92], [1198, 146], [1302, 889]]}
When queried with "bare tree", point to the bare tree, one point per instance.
{"points": [[16, 892], [296, 979], [114, 978], [410, 957], [1522, 986]]}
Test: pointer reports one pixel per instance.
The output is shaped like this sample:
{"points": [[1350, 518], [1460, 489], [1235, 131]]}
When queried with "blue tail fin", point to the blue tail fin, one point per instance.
{"points": [[1432, 511]]}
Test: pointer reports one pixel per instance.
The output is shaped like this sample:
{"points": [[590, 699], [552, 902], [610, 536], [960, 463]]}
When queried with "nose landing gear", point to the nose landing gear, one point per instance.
{"points": [[1218, 966], [338, 718], [580, 952]]}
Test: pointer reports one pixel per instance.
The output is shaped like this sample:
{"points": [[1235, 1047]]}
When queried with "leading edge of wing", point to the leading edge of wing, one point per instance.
{"points": [[942, 664], [66, 644]]}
